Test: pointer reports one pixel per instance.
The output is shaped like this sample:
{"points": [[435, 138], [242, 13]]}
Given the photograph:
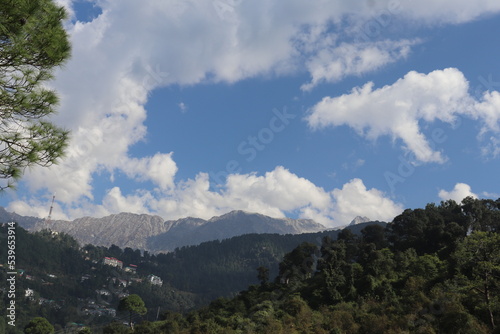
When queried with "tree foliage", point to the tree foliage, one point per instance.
{"points": [[32, 43], [432, 270], [133, 304], [376, 280], [478, 258], [39, 325]]}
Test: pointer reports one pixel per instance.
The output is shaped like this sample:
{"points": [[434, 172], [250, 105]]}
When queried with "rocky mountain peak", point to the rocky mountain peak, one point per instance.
{"points": [[359, 220]]}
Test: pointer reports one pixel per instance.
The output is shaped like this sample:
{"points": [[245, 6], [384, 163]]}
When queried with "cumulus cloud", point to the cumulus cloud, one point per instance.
{"points": [[397, 110], [332, 65], [278, 193], [274, 194], [160, 169], [354, 199], [458, 193], [134, 47]]}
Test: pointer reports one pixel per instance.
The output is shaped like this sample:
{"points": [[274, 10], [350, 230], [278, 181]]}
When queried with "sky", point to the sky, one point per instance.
{"points": [[325, 110]]}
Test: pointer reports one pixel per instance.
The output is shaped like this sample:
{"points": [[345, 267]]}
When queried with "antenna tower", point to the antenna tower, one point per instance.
{"points": [[49, 218]]}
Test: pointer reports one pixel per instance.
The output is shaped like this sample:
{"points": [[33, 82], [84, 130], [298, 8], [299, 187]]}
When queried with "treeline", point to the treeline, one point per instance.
{"points": [[195, 275], [223, 268], [65, 277], [432, 270]]}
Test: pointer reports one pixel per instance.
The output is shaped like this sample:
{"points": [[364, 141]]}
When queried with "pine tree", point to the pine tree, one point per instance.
{"points": [[32, 43]]}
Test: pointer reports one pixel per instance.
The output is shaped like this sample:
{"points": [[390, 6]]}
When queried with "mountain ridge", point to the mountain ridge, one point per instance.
{"points": [[152, 233]]}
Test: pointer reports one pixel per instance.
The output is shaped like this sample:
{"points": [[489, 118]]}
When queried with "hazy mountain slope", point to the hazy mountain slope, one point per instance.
{"points": [[25, 221], [152, 233], [123, 229], [179, 234], [229, 225]]}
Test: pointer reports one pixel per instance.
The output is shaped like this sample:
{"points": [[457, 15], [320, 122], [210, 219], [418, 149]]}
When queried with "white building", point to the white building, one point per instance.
{"points": [[155, 280], [111, 261]]}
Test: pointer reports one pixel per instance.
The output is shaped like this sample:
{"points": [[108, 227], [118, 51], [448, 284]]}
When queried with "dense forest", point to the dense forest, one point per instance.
{"points": [[71, 285], [431, 270]]}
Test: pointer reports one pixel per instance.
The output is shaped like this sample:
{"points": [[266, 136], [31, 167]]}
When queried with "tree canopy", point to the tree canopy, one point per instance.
{"points": [[39, 325], [32, 43], [132, 304], [380, 279]]}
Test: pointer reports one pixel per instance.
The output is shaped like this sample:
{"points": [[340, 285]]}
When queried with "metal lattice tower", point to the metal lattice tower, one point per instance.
{"points": [[49, 217]]}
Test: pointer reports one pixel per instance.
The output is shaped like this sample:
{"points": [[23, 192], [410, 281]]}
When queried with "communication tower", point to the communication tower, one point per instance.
{"points": [[49, 217]]}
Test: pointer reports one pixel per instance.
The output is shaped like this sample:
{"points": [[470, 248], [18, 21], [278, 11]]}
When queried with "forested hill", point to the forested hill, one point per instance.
{"points": [[432, 270], [70, 283]]}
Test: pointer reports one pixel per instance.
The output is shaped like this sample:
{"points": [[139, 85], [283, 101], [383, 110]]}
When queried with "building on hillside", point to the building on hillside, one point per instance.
{"points": [[103, 292], [120, 282], [111, 261], [155, 280], [132, 268], [29, 294], [136, 280]]}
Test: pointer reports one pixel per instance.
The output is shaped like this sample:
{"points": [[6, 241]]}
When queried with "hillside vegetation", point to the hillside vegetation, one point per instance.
{"points": [[70, 284], [431, 270]]}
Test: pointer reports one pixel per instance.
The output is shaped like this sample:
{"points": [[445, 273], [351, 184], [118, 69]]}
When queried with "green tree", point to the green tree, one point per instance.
{"points": [[39, 325], [478, 257], [32, 43], [435, 229], [298, 265], [331, 268], [132, 304], [374, 234], [263, 274], [482, 214]]}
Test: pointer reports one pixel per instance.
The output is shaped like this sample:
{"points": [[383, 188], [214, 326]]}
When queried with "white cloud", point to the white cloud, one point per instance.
{"points": [[354, 165], [160, 169], [354, 199], [458, 193], [32, 208], [486, 194], [396, 110], [359, 163], [183, 107], [488, 110], [273, 194], [447, 11], [277, 193], [332, 65], [134, 47]]}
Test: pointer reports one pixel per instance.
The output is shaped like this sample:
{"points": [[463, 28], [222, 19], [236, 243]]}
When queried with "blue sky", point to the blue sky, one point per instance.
{"points": [[322, 111]]}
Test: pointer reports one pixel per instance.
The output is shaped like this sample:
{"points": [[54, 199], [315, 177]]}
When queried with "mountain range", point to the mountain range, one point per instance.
{"points": [[152, 233]]}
